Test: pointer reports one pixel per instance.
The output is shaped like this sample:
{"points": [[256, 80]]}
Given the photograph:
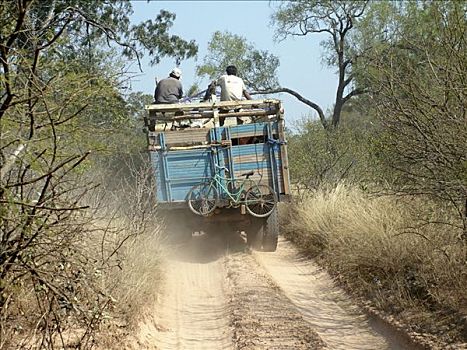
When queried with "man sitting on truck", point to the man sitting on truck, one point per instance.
{"points": [[169, 90], [232, 89]]}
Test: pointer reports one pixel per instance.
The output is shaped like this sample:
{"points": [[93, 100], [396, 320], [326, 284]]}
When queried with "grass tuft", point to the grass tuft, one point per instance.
{"points": [[382, 250]]}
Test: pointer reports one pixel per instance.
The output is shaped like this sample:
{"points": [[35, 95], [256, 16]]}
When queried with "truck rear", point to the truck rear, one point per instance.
{"points": [[237, 149]]}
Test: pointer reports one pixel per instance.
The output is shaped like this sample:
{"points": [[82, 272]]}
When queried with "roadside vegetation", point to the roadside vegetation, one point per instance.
{"points": [[78, 224], [381, 198], [376, 247]]}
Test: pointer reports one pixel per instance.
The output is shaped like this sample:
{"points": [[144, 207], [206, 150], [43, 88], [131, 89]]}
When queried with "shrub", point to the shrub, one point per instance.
{"points": [[97, 265], [321, 157], [376, 246]]}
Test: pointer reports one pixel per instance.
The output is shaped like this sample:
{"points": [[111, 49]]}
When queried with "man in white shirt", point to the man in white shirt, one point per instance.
{"points": [[232, 89]]}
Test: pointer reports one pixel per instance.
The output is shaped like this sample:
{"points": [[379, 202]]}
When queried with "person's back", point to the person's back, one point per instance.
{"points": [[232, 87], [169, 90]]}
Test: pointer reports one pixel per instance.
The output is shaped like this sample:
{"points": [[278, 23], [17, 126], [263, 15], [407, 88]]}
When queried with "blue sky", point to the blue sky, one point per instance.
{"points": [[300, 69]]}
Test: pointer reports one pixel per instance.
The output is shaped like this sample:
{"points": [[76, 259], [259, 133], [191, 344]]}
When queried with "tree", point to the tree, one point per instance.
{"points": [[336, 19], [56, 76], [154, 37], [258, 68], [416, 80], [81, 23], [323, 159]]}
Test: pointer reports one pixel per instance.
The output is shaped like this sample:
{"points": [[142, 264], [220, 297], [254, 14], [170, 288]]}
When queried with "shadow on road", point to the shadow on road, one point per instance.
{"points": [[207, 247]]}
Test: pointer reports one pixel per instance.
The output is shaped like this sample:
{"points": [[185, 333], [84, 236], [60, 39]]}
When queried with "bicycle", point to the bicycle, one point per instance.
{"points": [[259, 199]]}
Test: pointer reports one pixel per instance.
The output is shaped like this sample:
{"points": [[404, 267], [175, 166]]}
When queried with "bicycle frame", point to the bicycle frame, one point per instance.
{"points": [[239, 190], [235, 197], [203, 198]]}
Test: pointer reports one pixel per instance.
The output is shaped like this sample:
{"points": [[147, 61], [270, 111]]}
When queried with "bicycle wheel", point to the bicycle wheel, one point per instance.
{"points": [[202, 199], [260, 200]]}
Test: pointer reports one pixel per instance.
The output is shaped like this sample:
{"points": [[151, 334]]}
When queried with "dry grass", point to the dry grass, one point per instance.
{"points": [[132, 282], [102, 269], [131, 234], [381, 249], [135, 285], [116, 274]]}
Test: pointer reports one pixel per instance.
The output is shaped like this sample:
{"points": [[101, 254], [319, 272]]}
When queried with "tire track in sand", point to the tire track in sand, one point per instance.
{"points": [[192, 312], [217, 296], [262, 317], [324, 306]]}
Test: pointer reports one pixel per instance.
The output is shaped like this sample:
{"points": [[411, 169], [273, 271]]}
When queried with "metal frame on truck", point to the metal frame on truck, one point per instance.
{"points": [[188, 145]]}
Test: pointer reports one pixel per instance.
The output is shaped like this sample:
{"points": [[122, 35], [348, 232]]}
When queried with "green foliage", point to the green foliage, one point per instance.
{"points": [[62, 99], [418, 89], [193, 89], [407, 135], [154, 37], [258, 68], [321, 158]]}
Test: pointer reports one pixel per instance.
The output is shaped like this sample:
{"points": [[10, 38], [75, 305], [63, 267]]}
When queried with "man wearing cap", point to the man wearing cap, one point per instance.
{"points": [[169, 90]]}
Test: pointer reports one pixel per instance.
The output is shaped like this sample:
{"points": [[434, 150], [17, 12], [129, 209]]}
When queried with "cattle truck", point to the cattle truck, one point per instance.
{"points": [[220, 166]]}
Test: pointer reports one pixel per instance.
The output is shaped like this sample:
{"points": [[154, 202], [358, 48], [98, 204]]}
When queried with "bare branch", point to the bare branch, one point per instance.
{"points": [[353, 93], [313, 105]]}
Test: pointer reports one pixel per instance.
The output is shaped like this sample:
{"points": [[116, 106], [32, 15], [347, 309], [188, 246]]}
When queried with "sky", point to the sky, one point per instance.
{"points": [[301, 67]]}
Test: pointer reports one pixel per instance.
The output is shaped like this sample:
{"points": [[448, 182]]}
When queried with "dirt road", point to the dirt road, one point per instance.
{"points": [[219, 295]]}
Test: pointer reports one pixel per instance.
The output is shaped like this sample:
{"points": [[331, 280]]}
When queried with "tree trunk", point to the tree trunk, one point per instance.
{"points": [[336, 115]]}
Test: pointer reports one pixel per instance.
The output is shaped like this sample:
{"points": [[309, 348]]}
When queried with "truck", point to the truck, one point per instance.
{"points": [[220, 166]]}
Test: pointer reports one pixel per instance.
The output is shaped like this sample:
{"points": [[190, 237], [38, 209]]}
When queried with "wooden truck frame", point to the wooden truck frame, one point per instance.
{"points": [[188, 144]]}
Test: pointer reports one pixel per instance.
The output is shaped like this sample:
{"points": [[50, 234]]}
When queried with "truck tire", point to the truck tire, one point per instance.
{"points": [[254, 235], [264, 233], [271, 232]]}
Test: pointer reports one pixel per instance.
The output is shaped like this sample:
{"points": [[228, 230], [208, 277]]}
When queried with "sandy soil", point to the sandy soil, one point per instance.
{"points": [[192, 312], [262, 316], [323, 305], [219, 295]]}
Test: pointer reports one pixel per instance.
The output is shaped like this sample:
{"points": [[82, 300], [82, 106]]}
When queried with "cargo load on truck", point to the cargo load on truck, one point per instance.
{"points": [[230, 176]]}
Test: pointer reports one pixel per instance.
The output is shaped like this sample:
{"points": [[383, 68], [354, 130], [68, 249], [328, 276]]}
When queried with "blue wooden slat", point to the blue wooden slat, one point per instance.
{"points": [[176, 172], [157, 175], [228, 155], [247, 166], [254, 127], [272, 159], [164, 166]]}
